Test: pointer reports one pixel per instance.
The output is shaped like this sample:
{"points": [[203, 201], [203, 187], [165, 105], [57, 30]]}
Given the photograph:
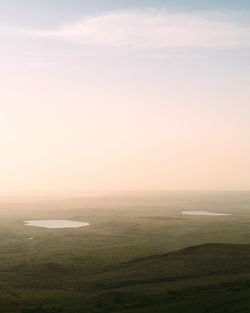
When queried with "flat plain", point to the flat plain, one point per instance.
{"points": [[139, 254]]}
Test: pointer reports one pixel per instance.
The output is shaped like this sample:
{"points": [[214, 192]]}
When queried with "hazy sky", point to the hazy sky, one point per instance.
{"points": [[124, 95]]}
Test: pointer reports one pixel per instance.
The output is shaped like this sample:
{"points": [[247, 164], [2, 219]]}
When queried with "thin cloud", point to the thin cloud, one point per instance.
{"points": [[156, 29]]}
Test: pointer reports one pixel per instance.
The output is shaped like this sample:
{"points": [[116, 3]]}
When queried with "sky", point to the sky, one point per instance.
{"points": [[124, 95]]}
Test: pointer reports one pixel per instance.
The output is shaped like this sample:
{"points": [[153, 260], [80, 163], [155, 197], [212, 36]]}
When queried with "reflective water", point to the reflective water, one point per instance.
{"points": [[55, 223], [204, 213]]}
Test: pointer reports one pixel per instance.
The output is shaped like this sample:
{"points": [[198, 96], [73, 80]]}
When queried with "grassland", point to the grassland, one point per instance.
{"points": [[139, 254]]}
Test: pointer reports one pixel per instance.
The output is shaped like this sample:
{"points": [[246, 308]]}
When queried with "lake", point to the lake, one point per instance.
{"points": [[204, 213], [56, 223]]}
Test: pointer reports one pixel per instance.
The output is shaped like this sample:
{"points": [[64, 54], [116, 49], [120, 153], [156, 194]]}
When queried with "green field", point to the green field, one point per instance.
{"points": [[139, 254]]}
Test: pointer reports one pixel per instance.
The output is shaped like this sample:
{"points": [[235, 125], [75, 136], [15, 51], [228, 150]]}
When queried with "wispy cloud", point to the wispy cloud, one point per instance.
{"points": [[157, 29]]}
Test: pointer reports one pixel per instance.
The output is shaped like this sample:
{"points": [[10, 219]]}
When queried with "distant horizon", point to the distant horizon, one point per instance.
{"points": [[99, 194]]}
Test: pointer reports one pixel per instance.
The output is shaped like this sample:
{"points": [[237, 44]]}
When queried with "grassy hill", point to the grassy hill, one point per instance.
{"points": [[205, 278]]}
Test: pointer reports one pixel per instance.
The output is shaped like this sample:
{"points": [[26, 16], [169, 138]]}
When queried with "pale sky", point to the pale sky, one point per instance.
{"points": [[124, 95]]}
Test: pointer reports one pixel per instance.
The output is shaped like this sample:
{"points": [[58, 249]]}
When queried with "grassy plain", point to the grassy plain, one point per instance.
{"points": [[139, 254]]}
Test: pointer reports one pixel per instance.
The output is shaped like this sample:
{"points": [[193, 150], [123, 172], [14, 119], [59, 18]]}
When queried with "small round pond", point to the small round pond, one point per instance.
{"points": [[204, 213], [55, 223]]}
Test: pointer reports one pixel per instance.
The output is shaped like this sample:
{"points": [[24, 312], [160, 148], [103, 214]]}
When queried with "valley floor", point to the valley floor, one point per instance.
{"points": [[139, 254]]}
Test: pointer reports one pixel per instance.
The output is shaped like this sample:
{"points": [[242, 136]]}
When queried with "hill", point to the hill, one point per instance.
{"points": [[205, 278]]}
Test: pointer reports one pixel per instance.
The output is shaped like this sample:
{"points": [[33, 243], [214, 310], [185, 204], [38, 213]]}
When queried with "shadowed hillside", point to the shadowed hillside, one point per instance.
{"points": [[207, 278]]}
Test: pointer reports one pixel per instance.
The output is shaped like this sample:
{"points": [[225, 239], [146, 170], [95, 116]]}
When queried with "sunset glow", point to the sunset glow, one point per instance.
{"points": [[135, 98]]}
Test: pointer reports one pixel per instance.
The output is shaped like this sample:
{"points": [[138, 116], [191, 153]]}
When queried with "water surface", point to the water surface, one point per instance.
{"points": [[204, 213], [56, 223]]}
